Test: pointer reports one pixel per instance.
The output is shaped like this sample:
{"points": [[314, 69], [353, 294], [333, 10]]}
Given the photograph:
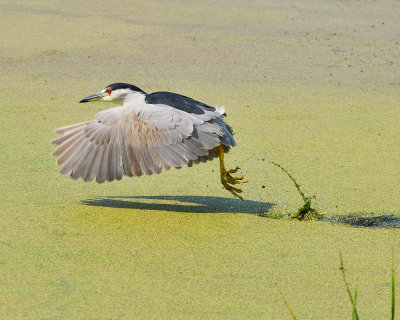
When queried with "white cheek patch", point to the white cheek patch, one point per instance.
{"points": [[119, 94], [114, 95]]}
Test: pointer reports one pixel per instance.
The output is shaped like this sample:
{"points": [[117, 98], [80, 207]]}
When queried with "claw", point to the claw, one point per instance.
{"points": [[236, 181], [233, 190], [230, 178]]}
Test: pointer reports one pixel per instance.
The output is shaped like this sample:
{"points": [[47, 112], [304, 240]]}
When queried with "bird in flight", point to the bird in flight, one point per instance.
{"points": [[143, 135]]}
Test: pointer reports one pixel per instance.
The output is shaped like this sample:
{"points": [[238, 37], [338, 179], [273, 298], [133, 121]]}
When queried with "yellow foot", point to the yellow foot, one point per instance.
{"points": [[227, 181]]}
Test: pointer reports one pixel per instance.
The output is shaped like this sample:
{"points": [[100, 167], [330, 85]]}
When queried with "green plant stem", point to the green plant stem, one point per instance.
{"points": [[287, 305], [353, 300], [291, 178], [393, 288], [305, 210]]}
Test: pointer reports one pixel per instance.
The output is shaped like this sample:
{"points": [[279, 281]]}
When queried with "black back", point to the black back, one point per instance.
{"points": [[178, 101]]}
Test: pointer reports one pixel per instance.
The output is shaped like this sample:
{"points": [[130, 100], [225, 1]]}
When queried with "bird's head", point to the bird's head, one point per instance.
{"points": [[116, 92]]}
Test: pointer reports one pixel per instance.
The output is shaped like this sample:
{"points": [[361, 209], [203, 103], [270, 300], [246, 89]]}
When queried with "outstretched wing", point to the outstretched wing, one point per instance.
{"points": [[133, 141]]}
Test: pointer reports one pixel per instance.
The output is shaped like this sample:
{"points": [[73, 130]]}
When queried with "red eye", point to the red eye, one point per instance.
{"points": [[108, 90]]}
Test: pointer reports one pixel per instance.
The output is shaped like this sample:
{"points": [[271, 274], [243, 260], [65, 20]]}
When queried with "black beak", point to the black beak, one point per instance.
{"points": [[93, 97]]}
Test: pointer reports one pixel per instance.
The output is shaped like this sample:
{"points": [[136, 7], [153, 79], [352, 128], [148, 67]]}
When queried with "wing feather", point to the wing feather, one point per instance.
{"points": [[102, 173], [111, 162], [142, 162], [169, 161], [136, 170], [152, 165], [118, 161], [92, 165], [126, 160], [74, 158], [70, 135], [66, 145], [179, 159], [80, 166], [65, 129], [161, 163]]}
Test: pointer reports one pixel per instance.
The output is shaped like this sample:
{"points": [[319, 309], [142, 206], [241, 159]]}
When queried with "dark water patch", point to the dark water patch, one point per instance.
{"points": [[384, 221]]}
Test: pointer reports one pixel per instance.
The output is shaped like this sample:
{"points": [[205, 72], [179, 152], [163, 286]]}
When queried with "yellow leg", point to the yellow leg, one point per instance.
{"points": [[226, 179]]}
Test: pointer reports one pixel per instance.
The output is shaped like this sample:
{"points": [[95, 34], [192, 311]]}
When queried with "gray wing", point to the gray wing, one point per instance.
{"points": [[131, 141]]}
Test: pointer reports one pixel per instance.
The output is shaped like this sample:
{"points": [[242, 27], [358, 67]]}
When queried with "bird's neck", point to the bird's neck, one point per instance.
{"points": [[134, 99]]}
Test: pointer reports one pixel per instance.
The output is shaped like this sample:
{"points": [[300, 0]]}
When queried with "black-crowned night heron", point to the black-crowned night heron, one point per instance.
{"points": [[147, 133]]}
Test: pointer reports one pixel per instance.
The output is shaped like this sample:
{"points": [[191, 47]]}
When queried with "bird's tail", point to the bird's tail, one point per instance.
{"points": [[220, 110]]}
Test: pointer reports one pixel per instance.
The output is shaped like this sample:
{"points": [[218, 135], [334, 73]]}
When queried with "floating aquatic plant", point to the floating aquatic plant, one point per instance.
{"points": [[305, 211]]}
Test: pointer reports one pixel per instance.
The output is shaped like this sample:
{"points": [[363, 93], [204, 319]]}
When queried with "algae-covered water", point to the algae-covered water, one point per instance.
{"points": [[311, 85]]}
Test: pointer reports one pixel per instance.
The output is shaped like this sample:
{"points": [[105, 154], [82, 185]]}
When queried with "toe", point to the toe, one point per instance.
{"points": [[233, 170]]}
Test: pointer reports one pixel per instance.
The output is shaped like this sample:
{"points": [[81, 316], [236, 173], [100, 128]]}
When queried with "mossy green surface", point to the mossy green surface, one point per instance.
{"points": [[313, 86]]}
